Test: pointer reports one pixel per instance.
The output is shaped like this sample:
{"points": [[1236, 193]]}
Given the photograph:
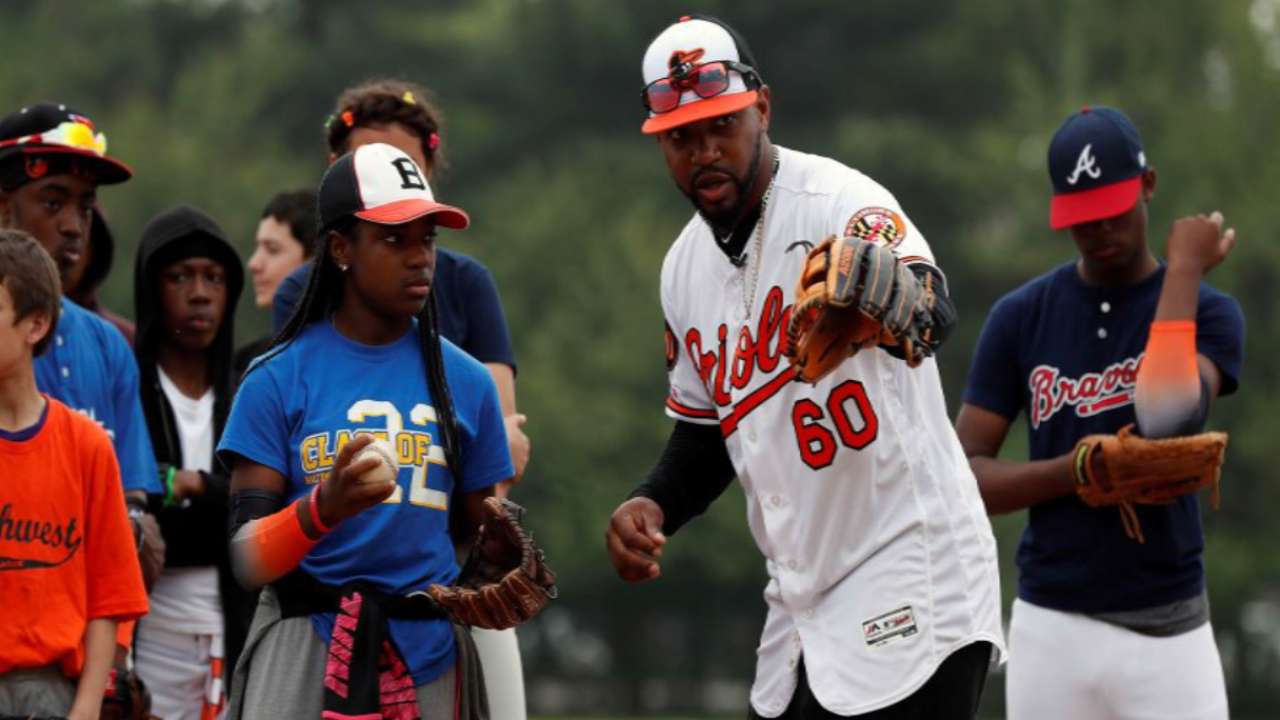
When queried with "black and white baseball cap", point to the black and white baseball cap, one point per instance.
{"points": [[379, 183], [676, 53]]}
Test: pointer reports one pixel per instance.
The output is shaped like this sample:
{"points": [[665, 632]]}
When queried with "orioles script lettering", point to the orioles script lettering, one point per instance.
{"points": [[762, 350]]}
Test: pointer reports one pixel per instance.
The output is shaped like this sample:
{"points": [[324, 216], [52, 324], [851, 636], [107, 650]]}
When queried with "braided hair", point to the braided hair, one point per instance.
{"points": [[321, 299]]}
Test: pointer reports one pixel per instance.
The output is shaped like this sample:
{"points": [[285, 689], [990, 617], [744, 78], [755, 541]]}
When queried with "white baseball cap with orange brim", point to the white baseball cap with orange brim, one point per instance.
{"points": [[697, 68]]}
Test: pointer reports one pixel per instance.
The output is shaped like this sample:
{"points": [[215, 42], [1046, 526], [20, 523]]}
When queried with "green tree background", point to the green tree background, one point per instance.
{"points": [[220, 103]]}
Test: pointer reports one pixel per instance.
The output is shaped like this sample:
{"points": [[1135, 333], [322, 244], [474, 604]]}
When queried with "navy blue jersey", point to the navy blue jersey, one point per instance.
{"points": [[90, 368], [1067, 355], [470, 316], [296, 410]]}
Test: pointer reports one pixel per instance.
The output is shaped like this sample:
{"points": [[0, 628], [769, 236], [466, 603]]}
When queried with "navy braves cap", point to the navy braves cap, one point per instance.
{"points": [[48, 132], [1096, 164]]}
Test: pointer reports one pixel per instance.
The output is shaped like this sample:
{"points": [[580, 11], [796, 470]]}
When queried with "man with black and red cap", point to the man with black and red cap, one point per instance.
{"points": [[52, 161], [883, 591], [1112, 616]]}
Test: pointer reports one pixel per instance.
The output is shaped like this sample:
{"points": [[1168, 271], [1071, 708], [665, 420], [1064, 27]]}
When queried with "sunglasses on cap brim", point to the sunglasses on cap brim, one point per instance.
{"points": [[706, 81]]}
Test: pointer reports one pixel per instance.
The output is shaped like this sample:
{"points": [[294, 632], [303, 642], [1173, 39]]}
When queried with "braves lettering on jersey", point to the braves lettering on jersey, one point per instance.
{"points": [[880, 556], [295, 412], [90, 368], [1068, 355], [1090, 394]]}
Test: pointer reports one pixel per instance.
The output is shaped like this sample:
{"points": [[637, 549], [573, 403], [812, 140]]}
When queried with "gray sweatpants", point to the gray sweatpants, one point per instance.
{"points": [[40, 691], [279, 674]]}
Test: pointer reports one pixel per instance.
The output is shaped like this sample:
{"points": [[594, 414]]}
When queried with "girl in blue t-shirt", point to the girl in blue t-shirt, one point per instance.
{"points": [[360, 359]]}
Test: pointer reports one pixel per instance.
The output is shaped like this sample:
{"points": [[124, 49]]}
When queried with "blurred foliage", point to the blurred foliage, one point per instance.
{"points": [[220, 103]]}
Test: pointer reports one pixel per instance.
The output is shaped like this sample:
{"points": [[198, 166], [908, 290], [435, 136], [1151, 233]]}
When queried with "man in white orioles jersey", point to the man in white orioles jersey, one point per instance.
{"points": [[883, 589]]}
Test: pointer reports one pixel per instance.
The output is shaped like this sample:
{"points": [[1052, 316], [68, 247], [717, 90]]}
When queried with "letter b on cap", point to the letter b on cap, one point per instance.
{"points": [[410, 177]]}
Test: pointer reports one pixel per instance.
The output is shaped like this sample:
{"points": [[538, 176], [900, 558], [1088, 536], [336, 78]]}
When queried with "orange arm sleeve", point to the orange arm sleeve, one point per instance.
{"points": [[1167, 400], [267, 548]]}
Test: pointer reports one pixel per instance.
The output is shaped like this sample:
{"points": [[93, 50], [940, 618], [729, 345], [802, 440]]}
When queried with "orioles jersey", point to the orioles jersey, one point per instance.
{"points": [[880, 557]]}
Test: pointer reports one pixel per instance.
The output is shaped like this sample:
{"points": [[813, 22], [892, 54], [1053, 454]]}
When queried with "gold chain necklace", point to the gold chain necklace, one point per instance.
{"points": [[749, 286]]}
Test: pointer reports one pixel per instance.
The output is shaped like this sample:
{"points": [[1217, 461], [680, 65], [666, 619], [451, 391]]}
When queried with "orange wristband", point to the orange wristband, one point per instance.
{"points": [[269, 547]]}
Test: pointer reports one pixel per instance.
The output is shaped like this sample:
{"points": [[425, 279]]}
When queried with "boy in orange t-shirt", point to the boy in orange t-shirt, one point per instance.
{"points": [[68, 566]]}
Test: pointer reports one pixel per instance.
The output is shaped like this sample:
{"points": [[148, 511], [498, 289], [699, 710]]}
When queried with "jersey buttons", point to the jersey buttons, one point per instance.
{"points": [[1105, 306], [1102, 333]]}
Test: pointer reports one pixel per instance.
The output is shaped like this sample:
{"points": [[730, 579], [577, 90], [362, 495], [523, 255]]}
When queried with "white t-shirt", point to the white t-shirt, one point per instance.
{"points": [[186, 599], [880, 557]]}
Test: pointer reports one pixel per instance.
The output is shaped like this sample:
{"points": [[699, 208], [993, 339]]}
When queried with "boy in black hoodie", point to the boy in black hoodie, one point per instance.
{"points": [[186, 282]]}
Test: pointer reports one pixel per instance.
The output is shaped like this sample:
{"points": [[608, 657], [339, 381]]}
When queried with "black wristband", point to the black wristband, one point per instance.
{"points": [[251, 504]]}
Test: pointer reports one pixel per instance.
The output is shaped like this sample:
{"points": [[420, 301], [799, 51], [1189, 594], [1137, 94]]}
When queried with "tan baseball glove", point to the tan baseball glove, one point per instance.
{"points": [[1125, 468], [854, 294], [505, 580]]}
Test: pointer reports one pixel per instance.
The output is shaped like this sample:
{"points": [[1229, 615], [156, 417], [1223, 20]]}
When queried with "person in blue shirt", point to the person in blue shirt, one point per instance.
{"points": [[343, 556], [469, 308], [52, 161], [469, 312], [1112, 615]]}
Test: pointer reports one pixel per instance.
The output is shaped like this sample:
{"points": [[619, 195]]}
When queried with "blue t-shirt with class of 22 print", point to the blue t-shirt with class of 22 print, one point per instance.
{"points": [[295, 410]]}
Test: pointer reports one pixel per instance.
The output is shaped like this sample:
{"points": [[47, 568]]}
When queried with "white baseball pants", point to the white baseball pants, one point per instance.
{"points": [[503, 673], [183, 671], [1070, 666]]}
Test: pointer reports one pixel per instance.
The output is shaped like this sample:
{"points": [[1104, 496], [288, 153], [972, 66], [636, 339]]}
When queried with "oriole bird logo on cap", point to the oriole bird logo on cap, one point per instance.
{"points": [[683, 60]]}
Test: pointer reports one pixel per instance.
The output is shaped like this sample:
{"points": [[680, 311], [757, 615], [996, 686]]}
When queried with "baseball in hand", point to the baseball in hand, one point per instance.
{"points": [[384, 473]]}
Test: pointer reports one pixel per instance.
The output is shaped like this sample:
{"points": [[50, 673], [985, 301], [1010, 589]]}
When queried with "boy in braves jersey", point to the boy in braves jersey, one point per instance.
{"points": [[883, 591], [1110, 621]]}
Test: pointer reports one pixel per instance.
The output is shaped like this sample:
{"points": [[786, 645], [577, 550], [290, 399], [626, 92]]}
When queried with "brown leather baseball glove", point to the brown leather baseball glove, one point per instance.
{"points": [[505, 580], [853, 294], [1125, 468]]}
